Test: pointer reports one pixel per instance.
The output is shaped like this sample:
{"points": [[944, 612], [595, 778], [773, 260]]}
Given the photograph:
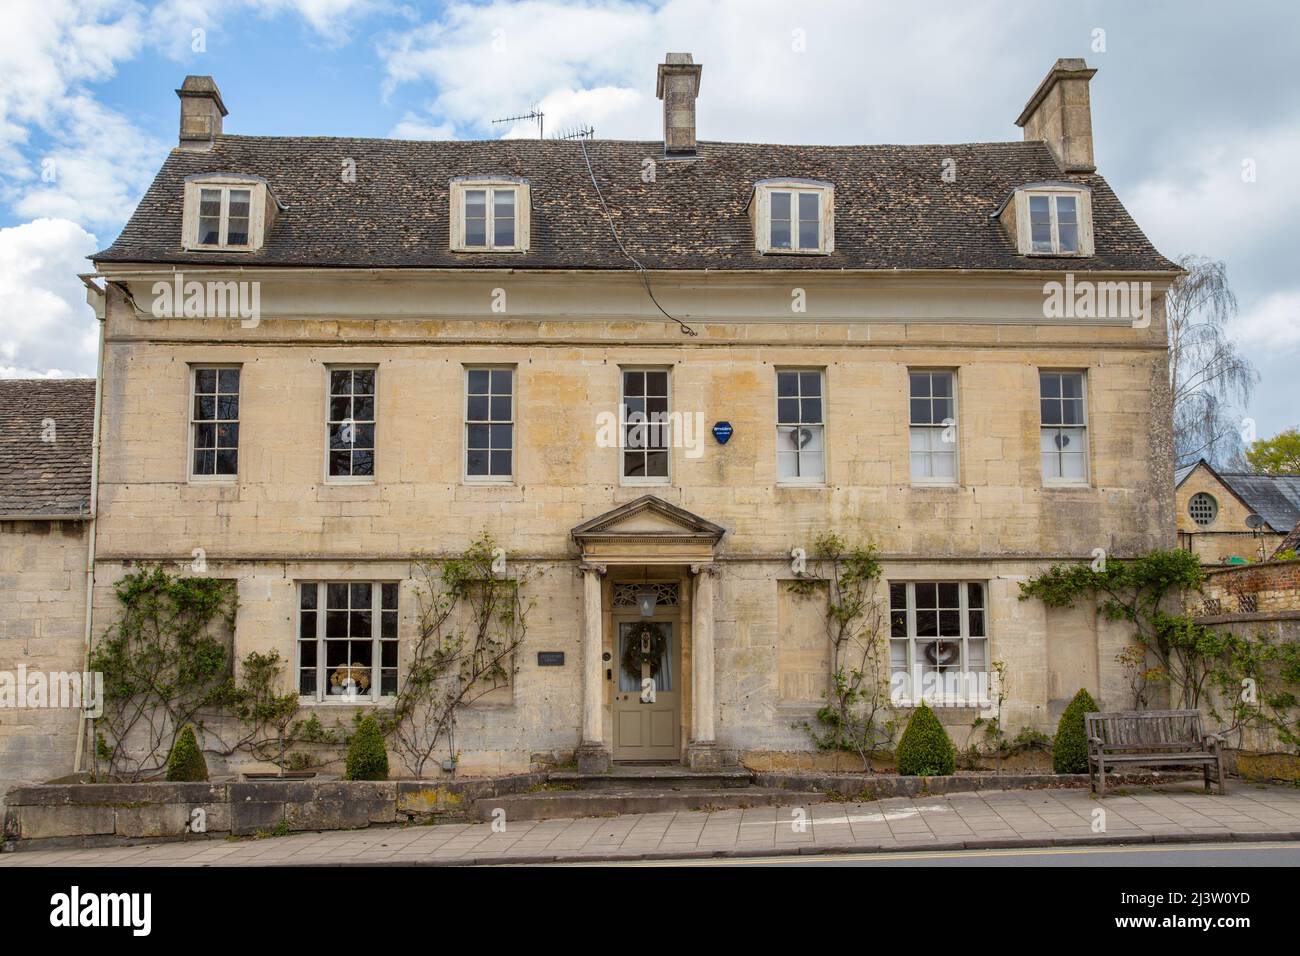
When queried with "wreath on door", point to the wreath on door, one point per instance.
{"points": [[645, 644]]}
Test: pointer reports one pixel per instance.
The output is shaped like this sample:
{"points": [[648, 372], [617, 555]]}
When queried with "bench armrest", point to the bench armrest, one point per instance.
{"points": [[1097, 741], [1214, 741]]}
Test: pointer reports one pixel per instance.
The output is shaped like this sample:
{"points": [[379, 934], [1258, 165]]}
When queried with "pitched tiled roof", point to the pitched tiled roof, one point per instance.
{"points": [[1276, 498], [39, 476], [893, 209]]}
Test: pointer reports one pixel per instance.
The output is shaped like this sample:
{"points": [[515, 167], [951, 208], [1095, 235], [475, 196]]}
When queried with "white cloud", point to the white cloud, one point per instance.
{"points": [[415, 127], [46, 327], [1273, 324], [172, 23], [838, 71]]}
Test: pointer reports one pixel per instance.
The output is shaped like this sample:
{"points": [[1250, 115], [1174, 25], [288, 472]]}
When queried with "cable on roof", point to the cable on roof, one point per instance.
{"points": [[641, 270]]}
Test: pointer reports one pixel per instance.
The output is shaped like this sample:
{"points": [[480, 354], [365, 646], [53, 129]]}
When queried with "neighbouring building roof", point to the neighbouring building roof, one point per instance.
{"points": [[1275, 498], [893, 209], [44, 470]]}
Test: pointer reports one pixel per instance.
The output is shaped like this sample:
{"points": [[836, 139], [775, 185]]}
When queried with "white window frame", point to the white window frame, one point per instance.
{"points": [[193, 423], [956, 445], [624, 479], [491, 184], [325, 464], [514, 425], [1085, 427], [1083, 210], [800, 480], [257, 200], [915, 671], [761, 214], [322, 695]]}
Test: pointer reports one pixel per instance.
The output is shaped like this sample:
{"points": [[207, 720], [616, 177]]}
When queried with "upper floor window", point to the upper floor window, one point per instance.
{"points": [[226, 213], [350, 423], [794, 216], [489, 215], [933, 427], [1052, 219], [214, 422], [800, 427], [646, 426], [1064, 431], [489, 423]]}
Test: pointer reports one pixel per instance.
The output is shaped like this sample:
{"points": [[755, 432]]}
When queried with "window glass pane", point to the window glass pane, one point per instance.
{"points": [[787, 411], [787, 384], [1071, 385], [1067, 227], [1050, 384], [503, 217], [810, 410], [808, 234], [810, 383], [477, 381], [921, 412], [941, 384], [780, 234], [209, 217], [780, 205], [656, 383], [475, 217], [501, 380], [237, 220]]}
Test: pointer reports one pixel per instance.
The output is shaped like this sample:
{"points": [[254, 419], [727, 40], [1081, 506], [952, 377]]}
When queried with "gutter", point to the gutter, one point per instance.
{"points": [[97, 298]]}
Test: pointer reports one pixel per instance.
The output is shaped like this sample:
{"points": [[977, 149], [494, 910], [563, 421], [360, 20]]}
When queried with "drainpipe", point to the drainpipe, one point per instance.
{"points": [[97, 298]]}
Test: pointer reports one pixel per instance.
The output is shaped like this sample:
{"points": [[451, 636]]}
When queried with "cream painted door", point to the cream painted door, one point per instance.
{"points": [[647, 696]]}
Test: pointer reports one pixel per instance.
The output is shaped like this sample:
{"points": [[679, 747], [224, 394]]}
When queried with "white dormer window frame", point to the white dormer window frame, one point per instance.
{"points": [[492, 191], [1045, 213], [793, 217], [201, 192]]}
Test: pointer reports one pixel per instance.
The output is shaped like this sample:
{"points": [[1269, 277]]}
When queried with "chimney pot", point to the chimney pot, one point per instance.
{"points": [[1060, 114], [678, 85], [201, 112]]}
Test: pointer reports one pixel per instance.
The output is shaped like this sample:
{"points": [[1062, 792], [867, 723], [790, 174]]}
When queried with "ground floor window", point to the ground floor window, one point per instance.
{"points": [[347, 640], [938, 643]]}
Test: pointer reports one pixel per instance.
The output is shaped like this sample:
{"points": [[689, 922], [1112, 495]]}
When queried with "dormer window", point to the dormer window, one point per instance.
{"points": [[1050, 219], [793, 217], [489, 215], [227, 213]]}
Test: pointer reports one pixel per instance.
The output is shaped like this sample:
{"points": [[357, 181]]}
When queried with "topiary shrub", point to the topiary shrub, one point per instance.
{"points": [[367, 758], [185, 763], [1070, 748], [925, 750]]}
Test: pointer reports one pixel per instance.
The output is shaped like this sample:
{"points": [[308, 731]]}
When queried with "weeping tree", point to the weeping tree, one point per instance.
{"points": [[1208, 378]]}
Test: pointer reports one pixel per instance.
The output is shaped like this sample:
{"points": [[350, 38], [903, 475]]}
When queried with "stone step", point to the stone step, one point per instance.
{"points": [[652, 777], [552, 804]]}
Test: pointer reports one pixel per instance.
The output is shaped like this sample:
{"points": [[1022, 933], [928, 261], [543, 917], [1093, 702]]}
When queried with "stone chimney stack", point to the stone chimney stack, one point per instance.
{"points": [[678, 85], [201, 112], [1060, 114]]}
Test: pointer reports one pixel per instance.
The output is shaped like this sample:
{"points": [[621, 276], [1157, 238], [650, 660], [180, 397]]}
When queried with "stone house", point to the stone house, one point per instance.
{"points": [[644, 368], [1234, 516], [46, 431]]}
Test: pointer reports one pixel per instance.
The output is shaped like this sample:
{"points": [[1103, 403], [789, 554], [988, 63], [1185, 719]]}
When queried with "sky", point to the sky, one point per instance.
{"points": [[1196, 111]]}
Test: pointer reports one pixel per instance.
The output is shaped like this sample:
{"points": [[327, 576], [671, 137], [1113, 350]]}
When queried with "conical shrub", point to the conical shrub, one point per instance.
{"points": [[1070, 748], [367, 759], [185, 763], [925, 750]]}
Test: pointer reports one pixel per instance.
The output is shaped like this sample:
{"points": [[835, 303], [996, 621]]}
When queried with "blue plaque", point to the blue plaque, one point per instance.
{"points": [[722, 432]]}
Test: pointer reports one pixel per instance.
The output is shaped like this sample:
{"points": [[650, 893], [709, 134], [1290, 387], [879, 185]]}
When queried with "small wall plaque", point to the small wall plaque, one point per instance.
{"points": [[550, 658], [722, 432]]}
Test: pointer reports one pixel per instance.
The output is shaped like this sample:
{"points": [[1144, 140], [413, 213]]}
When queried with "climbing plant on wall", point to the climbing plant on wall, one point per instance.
{"points": [[165, 664], [847, 577], [1241, 682], [473, 616]]}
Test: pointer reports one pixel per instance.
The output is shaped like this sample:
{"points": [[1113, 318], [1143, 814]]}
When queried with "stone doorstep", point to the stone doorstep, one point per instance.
{"points": [[653, 778], [551, 804]]}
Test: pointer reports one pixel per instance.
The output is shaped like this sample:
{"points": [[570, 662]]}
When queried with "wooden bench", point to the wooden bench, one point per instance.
{"points": [[1150, 737]]}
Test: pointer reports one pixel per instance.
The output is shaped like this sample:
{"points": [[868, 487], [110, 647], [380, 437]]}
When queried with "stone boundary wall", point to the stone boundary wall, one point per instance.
{"points": [[862, 786], [1253, 588], [108, 814]]}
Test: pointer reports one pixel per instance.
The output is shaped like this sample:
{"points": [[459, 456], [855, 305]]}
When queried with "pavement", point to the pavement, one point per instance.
{"points": [[980, 821]]}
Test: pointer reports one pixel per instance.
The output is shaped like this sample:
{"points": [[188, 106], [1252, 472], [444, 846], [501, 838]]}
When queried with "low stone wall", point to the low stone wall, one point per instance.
{"points": [[867, 786], [97, 814], [1252, 588]]}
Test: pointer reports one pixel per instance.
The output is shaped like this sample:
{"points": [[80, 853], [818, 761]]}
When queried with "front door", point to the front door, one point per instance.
{"points": [[647, 718]]}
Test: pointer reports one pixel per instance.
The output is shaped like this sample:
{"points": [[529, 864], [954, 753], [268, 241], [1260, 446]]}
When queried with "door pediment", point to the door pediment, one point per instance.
{"points": [[648, 530]]}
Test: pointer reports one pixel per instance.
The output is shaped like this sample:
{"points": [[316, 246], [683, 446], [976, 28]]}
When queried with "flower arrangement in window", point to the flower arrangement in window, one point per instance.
{"points": [[354, 678]]}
